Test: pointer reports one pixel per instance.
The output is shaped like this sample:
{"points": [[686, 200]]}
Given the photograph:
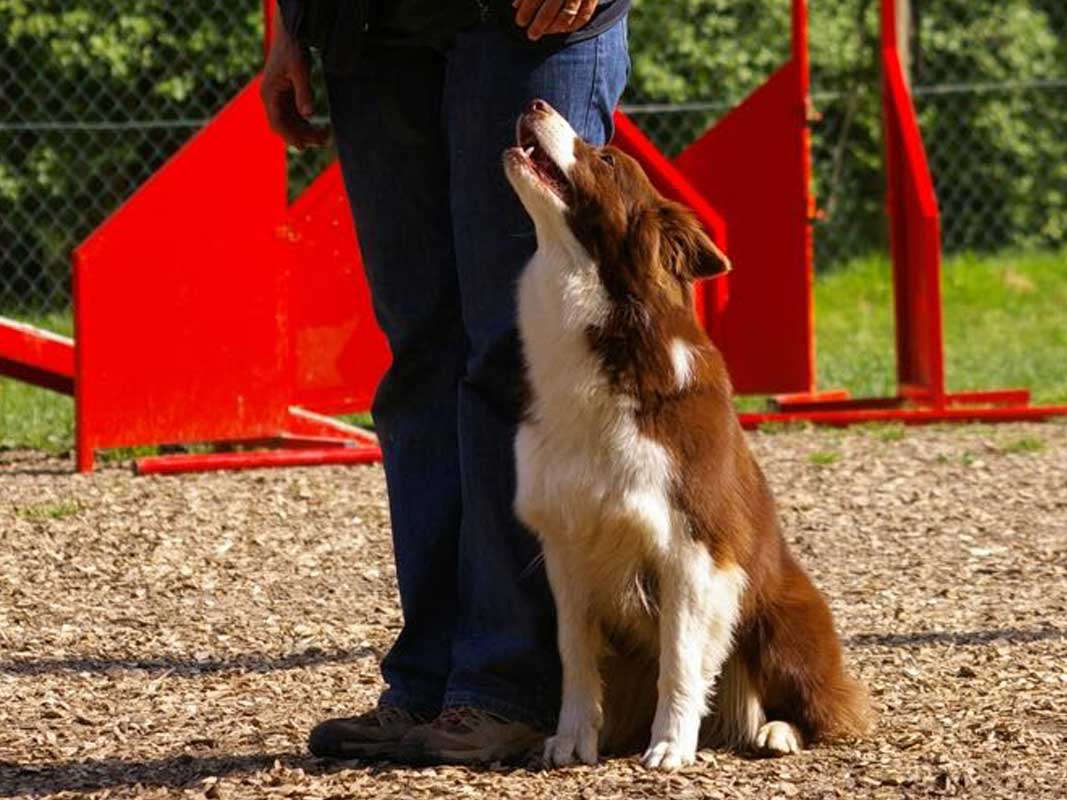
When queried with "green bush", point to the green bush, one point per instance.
{"points": [[78, 78]]}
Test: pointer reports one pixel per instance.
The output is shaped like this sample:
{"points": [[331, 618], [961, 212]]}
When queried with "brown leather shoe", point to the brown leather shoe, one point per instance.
{"points": [[469, 736], [373, 734]]}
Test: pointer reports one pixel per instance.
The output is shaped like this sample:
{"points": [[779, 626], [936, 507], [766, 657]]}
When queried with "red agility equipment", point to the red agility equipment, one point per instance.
{"points": [[754, 167], [915, 241], [207, 309], [37, 357]]}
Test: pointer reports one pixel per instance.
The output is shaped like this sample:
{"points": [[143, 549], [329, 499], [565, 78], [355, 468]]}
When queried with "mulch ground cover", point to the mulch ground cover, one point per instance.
{"points": [[178, 636]]}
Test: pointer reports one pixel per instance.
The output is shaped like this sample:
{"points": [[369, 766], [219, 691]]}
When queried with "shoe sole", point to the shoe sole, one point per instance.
{"points": [[377, 752], [418, 756]]}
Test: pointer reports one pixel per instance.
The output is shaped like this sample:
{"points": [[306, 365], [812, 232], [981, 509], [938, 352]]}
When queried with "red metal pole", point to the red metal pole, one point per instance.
{"points": [[800, 43], [175, 465], [84, 454], [268, 26], [803, 71], [915, 238], [907, 416], [889, 24], [36, 356]]}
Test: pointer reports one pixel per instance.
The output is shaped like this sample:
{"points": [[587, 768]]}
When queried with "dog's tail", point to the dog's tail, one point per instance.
{"points": [[841, 708]]}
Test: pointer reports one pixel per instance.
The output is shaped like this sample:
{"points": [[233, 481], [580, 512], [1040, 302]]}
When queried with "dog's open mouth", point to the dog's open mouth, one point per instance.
{"points": [[542, 163]]}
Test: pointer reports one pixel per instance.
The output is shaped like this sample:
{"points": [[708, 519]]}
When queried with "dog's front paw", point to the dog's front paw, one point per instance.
{"points": [[566, 747], [779, 739], [669, 754]]}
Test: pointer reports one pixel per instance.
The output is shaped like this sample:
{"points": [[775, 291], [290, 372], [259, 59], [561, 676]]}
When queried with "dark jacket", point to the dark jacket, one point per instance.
{"points": [[340, 28]]}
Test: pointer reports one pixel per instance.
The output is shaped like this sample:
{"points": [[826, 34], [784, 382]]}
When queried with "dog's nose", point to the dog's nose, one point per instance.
{"points": [[538, 107]]}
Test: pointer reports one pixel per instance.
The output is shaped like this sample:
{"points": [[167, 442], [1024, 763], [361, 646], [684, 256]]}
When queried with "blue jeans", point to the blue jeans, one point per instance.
{"points": [[420, 135]]}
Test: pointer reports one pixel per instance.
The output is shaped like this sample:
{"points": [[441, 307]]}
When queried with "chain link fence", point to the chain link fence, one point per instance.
{"points": [[95, 95], [989, 79]]}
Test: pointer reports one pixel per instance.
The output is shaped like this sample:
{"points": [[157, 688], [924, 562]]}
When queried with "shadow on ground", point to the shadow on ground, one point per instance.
{"points": [[957, 638], [95, 774], [182, 771], [186, 667]]}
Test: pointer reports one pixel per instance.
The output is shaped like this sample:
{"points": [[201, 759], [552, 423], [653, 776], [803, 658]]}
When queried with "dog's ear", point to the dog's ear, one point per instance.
{"points": [[679, 241]]}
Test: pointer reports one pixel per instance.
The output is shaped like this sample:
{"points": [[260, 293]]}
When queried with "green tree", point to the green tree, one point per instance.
{"points": [[95, 95]]}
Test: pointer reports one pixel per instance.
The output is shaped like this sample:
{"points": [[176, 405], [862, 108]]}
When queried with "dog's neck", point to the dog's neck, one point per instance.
{"points": [[566, 281]]}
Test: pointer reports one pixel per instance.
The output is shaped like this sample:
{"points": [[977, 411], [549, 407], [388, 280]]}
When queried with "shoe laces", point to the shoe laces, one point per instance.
{"points": [[464, 717], [388, 715]]}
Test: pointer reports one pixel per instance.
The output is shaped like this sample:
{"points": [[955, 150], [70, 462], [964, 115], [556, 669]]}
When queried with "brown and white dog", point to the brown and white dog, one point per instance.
{"points": [[660, 535]]}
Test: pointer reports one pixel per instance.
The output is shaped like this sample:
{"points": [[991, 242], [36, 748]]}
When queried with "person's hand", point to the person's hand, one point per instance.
{"points": [[286, 93], [541, 17]]}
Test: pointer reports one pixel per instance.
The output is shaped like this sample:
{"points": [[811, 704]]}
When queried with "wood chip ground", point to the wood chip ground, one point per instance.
{"points": [[177, 637]]}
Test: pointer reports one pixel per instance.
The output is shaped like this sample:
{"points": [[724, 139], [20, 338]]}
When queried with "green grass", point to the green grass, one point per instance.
{"points": [[46, 511], [824, 458], [886, 432], [35, 418], [1005, 321], [1028, 444], [1005, 326], [774, 428]]}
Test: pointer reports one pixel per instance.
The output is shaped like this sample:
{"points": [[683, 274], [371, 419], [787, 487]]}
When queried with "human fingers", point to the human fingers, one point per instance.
{"points": [[585, 14], [300, 76], [574, 16], [525, 11], [287, 121], [546, 15]]}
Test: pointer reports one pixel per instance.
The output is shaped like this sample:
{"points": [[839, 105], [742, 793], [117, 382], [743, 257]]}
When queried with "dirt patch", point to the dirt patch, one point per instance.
{"points": [[179, 636]]}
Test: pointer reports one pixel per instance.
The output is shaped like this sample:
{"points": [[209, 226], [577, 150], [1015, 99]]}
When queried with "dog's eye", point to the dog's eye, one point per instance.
{"points": [[608, 159]]}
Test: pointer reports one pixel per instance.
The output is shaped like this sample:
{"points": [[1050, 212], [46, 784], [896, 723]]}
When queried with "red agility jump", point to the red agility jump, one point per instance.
{"points": [[915, 237], [209, 310], [229, 317]]}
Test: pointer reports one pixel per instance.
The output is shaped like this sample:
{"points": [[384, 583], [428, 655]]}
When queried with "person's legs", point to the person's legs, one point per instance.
{"points": [[504, 653], [390, 136]]}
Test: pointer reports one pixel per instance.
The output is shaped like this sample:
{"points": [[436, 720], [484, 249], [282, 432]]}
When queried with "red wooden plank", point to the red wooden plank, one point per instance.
{"points": [[179, 316], [36, 356], [338, 354], [753, 167]]}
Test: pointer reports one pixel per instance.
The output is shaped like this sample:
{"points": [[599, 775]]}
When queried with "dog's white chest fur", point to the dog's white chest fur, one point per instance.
{"points": [[584, 468], [590, 484]]}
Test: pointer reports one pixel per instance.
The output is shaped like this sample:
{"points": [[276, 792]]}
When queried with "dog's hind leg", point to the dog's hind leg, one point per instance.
{"points": [[738, 720], [737, 716], [779, 738], [580, 646], [699, 607]]}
